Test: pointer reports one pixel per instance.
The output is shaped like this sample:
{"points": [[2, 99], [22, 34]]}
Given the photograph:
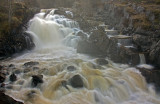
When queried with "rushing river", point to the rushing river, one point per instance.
{"points": [[69, 77]]}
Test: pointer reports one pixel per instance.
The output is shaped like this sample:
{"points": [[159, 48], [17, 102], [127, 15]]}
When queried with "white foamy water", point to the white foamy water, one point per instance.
{"points": [[55, 40]]}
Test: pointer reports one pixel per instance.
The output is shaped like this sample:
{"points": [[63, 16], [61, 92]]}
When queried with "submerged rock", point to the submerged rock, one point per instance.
{"points": [[11, 66], [30, 64], [17, 71], [102, 61], [27, 70], [71, 68], [36, 68], [31, 94], [76, 81], [12, 77], [36, 79]]}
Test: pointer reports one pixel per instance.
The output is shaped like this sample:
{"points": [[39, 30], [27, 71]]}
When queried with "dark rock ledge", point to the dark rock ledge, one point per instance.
{"points": [[5, 99]]}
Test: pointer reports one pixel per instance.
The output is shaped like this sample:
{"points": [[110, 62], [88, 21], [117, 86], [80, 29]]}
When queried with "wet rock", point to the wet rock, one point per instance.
{"points": [[82, 35], [30, 64], [96, 44], [3, 73], [87, 48], [11, 66], [9, 86], [76, 81], [20, 82], [151, 75], [17, 71], [35, 68], [12, 77], [64, 11], [143, 42], [5, 99], [2, 85], [31, 94], [126, 55], [60, 12], [64, 84], [71, 68], [36, 79], [27, 70], [102, 61], [154, 55], [2, 77]]}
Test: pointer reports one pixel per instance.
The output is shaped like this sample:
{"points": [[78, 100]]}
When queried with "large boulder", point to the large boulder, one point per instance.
{"points": [[12, 77], [37, 79], [87, 48], [76, 81], [151, 75], [96, 44]]}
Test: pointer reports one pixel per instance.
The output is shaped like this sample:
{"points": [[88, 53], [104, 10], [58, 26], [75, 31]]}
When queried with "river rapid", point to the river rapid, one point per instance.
{"points": [[70, 77]]}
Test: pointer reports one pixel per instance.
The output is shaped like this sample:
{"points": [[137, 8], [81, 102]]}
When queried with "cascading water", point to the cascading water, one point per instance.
{"points": [[69, 77]]}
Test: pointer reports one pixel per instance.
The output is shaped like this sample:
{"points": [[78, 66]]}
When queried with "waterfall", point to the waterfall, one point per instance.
{"points": [[50, 30], [142, 59], [54, 73]]}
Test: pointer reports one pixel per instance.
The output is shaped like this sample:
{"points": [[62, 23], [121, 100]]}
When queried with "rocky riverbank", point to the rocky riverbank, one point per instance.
{"points": [[139, 20]]}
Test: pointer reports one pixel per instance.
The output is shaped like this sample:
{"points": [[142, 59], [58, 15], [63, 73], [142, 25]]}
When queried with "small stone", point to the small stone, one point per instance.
{"points": [[71, 68], [36, 79], [76, 81], [13, 77], [12, 66]]}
